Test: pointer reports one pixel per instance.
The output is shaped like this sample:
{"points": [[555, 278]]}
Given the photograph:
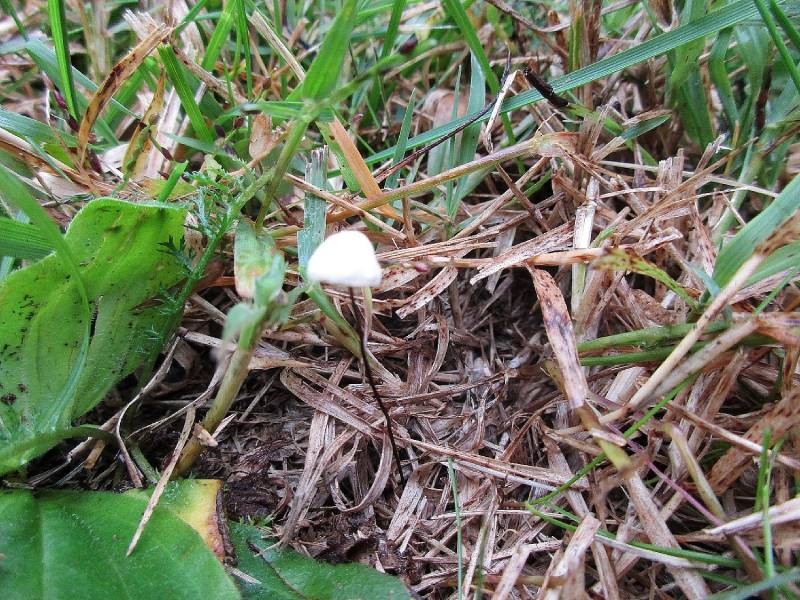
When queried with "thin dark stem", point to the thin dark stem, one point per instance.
{"points": [[361, 332], [385, 173]]}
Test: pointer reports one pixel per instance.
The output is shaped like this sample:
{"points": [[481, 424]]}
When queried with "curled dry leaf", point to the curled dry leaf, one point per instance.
{"points": [[119, 73]]}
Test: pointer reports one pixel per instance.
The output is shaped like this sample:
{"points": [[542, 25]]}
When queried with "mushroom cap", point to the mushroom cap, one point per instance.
{"points": [[346, 258]]}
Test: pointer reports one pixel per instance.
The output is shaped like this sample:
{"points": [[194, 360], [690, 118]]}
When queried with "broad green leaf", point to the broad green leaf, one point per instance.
{"points": [[118, 249], [744, 243], [22, 240], [269, 285], [196, 503], [17, 194], [321, 78], [287, 575], [65, 544]]}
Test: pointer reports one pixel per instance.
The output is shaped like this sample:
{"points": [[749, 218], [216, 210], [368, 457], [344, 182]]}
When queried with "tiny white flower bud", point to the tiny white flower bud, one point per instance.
{"points": [[346, 258]]}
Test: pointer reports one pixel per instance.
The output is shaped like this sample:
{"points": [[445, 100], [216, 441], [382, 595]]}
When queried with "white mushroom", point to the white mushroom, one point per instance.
{"points": [[346, 258]]}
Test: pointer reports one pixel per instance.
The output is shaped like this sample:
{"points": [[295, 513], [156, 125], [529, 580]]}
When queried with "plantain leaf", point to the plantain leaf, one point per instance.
{"points": [[117, 249], [65, 544], [22, 240]]}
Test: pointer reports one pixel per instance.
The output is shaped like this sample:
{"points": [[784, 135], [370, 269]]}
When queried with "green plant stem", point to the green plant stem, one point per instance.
{"points": [[276, 174], [789, 29], [236, 373], [754, 160], [645, 337]]}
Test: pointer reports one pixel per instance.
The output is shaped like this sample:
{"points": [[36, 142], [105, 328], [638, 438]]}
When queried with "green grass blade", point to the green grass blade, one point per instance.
{"points": [[324, 72], [455, 10], [789, 29], [783, 51], [220, 35], [720, 77], [724, 18], [243, 44], [185, 93], [313, 209], [38, 132], [470, 137], [744, 243], [754, 589], [693, 107], [9, 9], [762, 502], [58, 27], [278, 109], [393, 27], [191, 16], [174, 177], [47, 62], [402, 140], [451, 475], [685, 60], [22, 240]]}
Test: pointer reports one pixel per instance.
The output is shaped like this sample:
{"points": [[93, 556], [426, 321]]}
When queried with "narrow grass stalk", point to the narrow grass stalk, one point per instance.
{"points": [[58, 27], [451, 474], [232, 381], [791, 32]]}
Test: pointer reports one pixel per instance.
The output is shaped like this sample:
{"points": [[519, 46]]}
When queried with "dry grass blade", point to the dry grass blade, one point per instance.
{"points": [[558, 325], [114, 80], [568, 572], [780, 419], [785, 513], [163, 481]]}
